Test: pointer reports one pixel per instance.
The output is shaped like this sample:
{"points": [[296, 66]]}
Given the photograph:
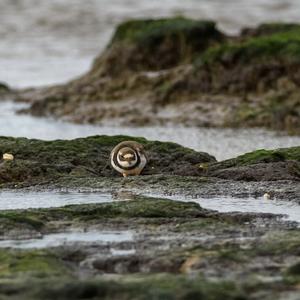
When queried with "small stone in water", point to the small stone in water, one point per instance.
{"points": [[267, 196]]}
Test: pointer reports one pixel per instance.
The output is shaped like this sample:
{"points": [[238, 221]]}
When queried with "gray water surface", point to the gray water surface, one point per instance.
{"points": [[46, 42]]}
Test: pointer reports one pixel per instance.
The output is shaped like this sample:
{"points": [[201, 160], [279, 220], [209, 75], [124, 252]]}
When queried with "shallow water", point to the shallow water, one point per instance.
{"points": [[25, 200], [69, 238], [222, 143], [46, 42], [291, 210]]}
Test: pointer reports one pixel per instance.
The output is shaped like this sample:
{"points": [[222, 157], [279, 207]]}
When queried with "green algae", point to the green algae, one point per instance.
{"points": [[4, 87], [156, 44], [13, 217], [39, 161], [146, 32], [294, 269], [269, 156], [145, 287], [283, 46], [142, 207], [33, 263], [270, 28]]}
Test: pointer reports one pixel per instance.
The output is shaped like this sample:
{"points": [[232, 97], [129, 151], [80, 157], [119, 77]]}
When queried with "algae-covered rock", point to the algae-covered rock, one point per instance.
{"points": [[138, 208], [280, 164], [35, 263], [38, 161], [184, 71], [142, 45], [268, 29], [122, 71], [65, 161], [3, 87]]}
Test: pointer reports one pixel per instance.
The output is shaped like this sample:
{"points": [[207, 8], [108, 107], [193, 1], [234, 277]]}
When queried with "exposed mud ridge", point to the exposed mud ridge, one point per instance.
{"points": [[85, 162], [185, 72], [43, 161], [178, 251]]}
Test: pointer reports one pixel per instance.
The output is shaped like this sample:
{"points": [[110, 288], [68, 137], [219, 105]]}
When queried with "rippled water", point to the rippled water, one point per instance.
{"points": [[222, 143], [43, 42]]}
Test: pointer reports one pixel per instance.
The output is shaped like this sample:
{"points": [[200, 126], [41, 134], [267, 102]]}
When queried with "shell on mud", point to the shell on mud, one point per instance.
{"points": [[8, 157]]}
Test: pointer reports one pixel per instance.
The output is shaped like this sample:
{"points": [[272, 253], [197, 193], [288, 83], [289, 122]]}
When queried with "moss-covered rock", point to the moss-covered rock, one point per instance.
{"points": [[280, 164], [269, 29], [139, 208], [157, 44], [294, 269], [151, 287], [267, 156], [283, 46], [3, 87], [33, 263], [186, 67], [38, 161]]}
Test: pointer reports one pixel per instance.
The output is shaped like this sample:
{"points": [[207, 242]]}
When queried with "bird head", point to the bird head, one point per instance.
{"points": [[127, 157]]}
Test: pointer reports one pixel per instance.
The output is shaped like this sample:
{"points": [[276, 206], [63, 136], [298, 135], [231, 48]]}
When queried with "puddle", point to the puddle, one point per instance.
{"points": [[69, 238], [291, 210], [231, 142], [25, 200], [118, 252]]}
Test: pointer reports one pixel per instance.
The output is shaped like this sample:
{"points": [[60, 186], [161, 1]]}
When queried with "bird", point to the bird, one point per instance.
{"points": [[128, 158]]}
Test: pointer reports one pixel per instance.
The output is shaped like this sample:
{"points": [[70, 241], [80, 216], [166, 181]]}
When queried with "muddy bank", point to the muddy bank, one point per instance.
{"points": [[177, 250], [147, 247], [185, 72]]}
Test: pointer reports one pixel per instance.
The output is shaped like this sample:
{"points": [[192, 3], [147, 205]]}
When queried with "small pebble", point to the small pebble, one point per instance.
{"points": [[8, 156], [267, 196]]}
